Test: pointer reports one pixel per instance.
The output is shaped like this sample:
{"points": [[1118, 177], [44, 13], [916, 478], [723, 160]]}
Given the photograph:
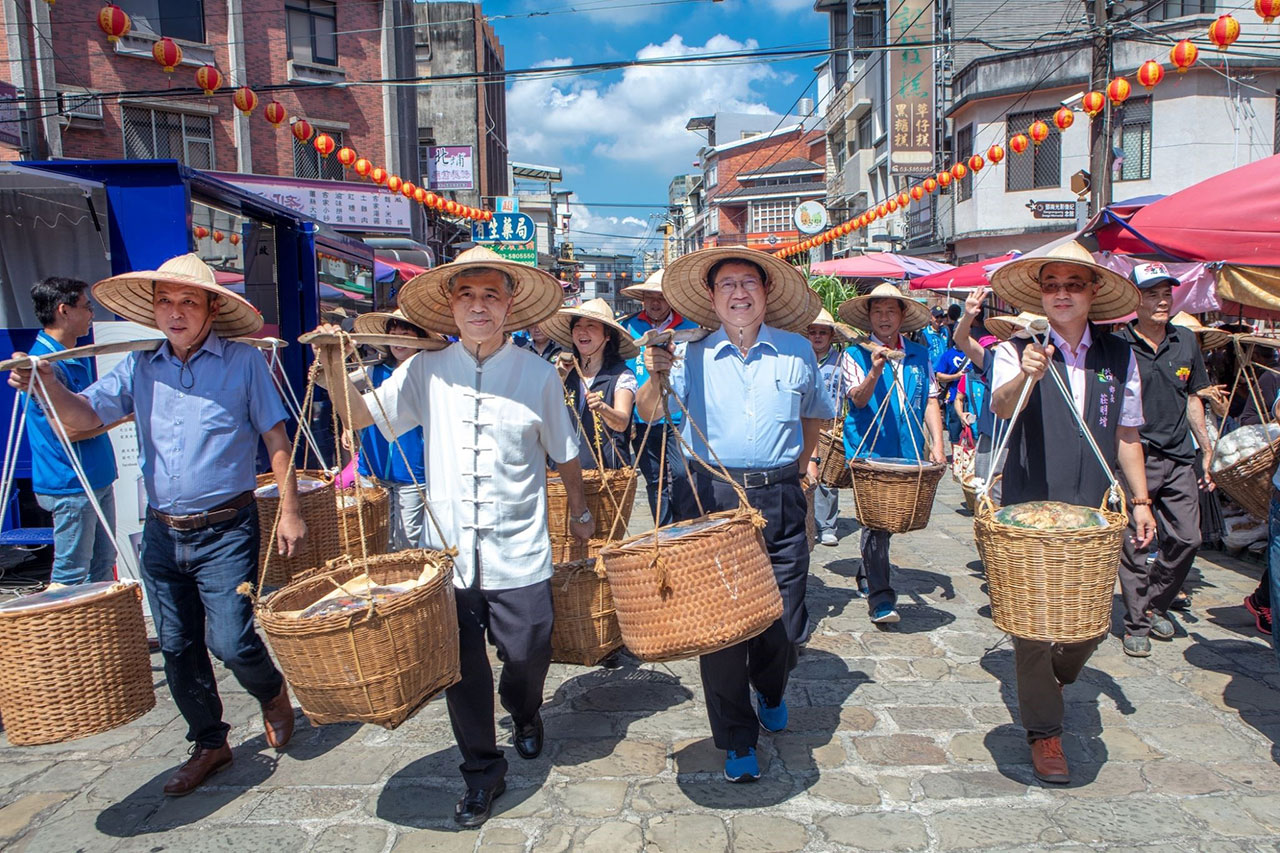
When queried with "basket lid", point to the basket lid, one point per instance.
{"points": [[58, 597], [895, 462], [673, 532]]}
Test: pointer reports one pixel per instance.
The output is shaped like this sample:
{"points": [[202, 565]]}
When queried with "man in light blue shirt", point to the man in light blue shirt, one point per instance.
{"points": [[83, 551], [752, 387]]}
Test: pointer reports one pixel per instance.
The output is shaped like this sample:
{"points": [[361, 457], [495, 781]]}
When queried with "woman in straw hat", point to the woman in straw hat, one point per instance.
{"points": [[398, 470], [900, 431], [827, 339], [599, 386], [491, 414], [752, 387], [650, 443], [1049, 458], [200, 404]]}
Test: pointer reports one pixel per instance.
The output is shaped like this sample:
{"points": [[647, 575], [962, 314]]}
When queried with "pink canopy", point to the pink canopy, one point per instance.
{"points": [[967, 277], [878, 265]]}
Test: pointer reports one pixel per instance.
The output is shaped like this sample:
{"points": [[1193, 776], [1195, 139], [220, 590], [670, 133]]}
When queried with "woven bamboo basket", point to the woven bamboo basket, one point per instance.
{"points": [[605, 491], [567, 549], [970, 495], [833, 471], [894, 498], [374, 504], [1050, 585], [322, 543], [379, 665], [1248, 482], [585, 630], [75, 669], [708, 589]]}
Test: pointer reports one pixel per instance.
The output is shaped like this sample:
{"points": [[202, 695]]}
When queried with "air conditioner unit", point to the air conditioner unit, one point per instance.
{"points": [[80, 105]]}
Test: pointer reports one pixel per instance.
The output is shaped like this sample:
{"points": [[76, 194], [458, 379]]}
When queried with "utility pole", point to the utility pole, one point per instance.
{"points": [[1100, 154]]}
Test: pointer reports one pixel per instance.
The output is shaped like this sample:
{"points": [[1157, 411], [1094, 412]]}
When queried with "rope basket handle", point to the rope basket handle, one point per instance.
{"points": [[594, 445]]}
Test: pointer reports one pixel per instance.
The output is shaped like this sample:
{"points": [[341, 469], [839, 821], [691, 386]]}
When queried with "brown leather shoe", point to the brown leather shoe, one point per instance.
{"points": [[202, 764], [1048, 762], [277, 718]]}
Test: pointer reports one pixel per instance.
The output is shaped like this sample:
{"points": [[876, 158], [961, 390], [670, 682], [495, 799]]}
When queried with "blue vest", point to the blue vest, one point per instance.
{"points": [[637, 324], [900, 435], [379, 458]]}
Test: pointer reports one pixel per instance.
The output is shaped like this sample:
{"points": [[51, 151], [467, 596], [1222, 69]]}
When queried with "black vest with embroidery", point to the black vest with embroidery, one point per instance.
{"points": [[615, 447], [1049, 458]]}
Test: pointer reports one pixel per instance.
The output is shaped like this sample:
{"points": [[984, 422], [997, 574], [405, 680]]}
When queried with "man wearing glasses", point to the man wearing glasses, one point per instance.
{"points": [[1049, 457]]}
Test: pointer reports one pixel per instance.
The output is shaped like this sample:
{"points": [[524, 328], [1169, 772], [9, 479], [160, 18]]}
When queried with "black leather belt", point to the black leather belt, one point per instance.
{"points": [[201, 520], [751, 478]]}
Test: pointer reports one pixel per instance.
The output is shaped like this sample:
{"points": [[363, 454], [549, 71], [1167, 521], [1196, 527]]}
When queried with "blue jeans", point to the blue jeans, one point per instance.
{"points": [[191, 579], [1273, 566], [82, 551]]}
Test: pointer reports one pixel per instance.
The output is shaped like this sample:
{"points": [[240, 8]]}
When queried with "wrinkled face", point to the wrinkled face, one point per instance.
{"points": [[480, 305], [655, 306], [820, 336], [1066, 292], [738, 295], [185, 314], [588, 337], [1155, 304], [886, 319]]}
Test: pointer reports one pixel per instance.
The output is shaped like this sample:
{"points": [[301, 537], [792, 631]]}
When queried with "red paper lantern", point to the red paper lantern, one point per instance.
{"points": [[209, 78], [362, 167], [1092, 103], [1064, 118], [1150, 73], [882, 210], [245, 99], [1118, 90], [167, 54], [944, 179], [917, 192], [378, 175], [407, 188], [346, 156], [903, 200], [275, 113], [218, 236], [1268, 10], [235, 239], [200, 231], [302, 130], [419, 195], [930, 185], [114, 21], [1039, 131], [958, 171], [976, 163], [488, 216], [1224, 31], [394, 183], [1018, 143], [1183, 55], [324, 144], [892, 205], [430, 199], [451, 207], [995, 154]]}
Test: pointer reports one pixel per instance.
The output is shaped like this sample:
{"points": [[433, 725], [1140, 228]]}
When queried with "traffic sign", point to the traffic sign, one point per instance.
{"points": [[504, 228], [1052, 209]]}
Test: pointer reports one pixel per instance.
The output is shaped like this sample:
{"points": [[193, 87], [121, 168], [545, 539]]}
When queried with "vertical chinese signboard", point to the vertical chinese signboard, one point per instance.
{"points": [[450, 167], [911, 130]]}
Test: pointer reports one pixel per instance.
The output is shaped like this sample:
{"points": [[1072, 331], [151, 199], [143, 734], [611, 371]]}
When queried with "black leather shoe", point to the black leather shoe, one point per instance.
{"points": [[474, 807], [528, 738]]}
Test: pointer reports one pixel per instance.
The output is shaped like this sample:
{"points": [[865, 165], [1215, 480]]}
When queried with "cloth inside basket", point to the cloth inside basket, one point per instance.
{"points": [[59, 594], [358, 593], [305, 484], [677, 531], [1050, 515]]}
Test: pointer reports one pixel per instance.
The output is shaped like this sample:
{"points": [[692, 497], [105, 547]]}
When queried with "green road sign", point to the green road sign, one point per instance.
{"points": [[521, 253]]}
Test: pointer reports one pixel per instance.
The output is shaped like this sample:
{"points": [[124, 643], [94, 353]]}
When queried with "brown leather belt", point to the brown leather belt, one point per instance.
{"points": [[201, 520]]}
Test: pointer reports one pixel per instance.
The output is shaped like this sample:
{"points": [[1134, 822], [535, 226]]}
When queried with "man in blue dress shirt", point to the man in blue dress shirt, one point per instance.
{"points": [[83, 551], [753, 388], [200, 403]]}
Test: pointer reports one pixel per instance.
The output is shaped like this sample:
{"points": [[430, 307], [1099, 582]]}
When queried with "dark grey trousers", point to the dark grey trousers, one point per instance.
{"points": [[875, 567], [1042, 669]]}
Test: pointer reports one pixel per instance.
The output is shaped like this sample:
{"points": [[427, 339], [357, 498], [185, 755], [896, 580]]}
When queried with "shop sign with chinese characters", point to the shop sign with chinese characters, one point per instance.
{"points": [[911, 82], [348, 206], [450, 167], [504, 228]]}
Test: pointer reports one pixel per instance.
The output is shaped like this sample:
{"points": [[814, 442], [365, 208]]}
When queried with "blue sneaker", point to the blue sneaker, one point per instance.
{"points": [[884, 614], [771, 719], [741, 768]]}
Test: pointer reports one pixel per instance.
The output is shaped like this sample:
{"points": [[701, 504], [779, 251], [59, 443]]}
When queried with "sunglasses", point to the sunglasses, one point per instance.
{"points": [[1073, 286]]}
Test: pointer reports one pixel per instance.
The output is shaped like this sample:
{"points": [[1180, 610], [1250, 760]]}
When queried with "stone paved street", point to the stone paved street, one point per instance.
{"points": [[900, 740]]}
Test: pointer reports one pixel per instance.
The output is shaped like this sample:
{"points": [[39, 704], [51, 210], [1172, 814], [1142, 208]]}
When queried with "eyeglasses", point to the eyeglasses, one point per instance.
{"points": [[1073, 286], [750, 285]]}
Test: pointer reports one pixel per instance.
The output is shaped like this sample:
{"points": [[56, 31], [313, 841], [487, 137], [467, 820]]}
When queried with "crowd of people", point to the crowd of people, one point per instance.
{"points": [[504, 382]]}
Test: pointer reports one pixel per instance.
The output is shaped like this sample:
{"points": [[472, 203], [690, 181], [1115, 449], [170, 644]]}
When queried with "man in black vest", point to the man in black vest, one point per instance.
{"points": [[1049, 456], [1173, 373]]}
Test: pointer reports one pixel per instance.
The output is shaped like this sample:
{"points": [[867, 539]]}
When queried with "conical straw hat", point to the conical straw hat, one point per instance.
{"points": [[559, 325], [790, 304], [1005, 327], [1018, 282], [130, 295], [857, 311], [1210, 338]]}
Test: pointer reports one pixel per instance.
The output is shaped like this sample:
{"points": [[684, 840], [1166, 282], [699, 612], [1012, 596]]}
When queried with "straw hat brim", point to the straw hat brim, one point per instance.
{"points": [[375, 323], [857, 312], [1211, 338], [1004, 327], [846, 334], [130, 295], [425, 298], [559, 327], [790, 303], [1017, 283], [638, 291]]}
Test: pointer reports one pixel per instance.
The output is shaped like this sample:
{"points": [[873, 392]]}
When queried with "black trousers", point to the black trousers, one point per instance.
{"points": [[1042, 670], [647, 453], [518, 623], [763, 663], [876, 568]]}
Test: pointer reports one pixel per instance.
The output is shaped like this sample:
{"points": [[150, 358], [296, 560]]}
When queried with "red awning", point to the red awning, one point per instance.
{"points": [[967, 277], [878, 265], [406, 269]]}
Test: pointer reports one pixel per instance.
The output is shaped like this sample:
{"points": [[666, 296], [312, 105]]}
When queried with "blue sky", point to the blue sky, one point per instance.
{"points": [[619, 136]]}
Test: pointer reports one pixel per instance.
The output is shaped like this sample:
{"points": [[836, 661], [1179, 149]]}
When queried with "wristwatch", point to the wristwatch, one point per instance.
{"points": [[816, 460], [585, 518]]}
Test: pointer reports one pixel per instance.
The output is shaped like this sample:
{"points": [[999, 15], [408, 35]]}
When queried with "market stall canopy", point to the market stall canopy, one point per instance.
{"points": [[963, 278], [879, 265], [385, 268]]}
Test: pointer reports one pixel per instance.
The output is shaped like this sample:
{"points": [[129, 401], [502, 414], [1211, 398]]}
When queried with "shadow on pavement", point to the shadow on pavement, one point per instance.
{"points": [[1252, 698]]}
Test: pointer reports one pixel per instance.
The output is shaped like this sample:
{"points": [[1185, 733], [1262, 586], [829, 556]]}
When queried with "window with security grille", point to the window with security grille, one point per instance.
{"points": [[307, 162], [1038, 167], [1134, 130], [312, 28], [179, 19], [162, 135], [866, 130], [964, 150], [1163, 11], [773, 215]]}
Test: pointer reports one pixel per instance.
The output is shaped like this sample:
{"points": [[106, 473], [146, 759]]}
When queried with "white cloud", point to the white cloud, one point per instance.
{"points": [[598, 231], [640, 118]]}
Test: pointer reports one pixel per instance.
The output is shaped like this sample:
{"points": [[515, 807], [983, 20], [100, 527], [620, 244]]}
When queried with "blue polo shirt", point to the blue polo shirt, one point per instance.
{"points": [[51, 472], [198, 423], [636, 325], [936, 342], [750, 407], [947, 363], [379, 458]]}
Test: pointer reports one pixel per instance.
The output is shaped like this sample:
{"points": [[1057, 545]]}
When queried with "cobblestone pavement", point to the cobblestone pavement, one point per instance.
{"points": [[903, 739]]}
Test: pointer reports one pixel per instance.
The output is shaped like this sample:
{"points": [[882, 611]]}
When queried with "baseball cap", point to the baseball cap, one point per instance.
{"points": [[1149, 275], [938, 311]]}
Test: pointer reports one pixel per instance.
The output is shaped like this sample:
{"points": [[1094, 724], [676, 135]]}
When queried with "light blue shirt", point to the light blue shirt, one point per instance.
{"points": [[750, 408], [198, 424], [637, 324]]}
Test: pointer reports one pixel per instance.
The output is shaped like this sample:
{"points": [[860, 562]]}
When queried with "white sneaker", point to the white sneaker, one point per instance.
{"points": [[829, 538]]}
